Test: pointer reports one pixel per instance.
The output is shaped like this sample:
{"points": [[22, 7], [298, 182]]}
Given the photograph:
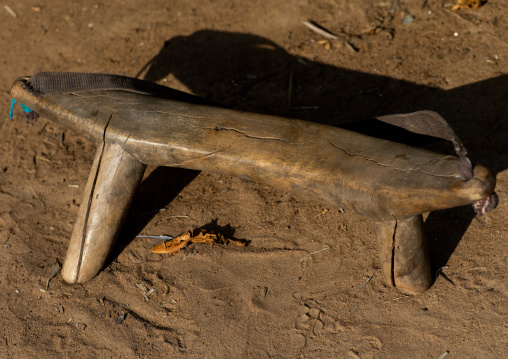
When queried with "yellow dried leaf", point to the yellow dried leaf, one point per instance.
{"points": [[174, 245], [203, 237], [326, 43], [471, 4], [320, 214]]}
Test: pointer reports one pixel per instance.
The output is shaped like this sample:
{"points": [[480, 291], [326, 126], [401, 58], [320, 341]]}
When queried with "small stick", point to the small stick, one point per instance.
{"points": [[159, 239], [440, 269], [62, 139], [444, 354], [308, 255], [10, 11], [318, 29], [394, 6], [43, 128], [440, 272], [156, 237], [53, 272], [42, 159], [393, 300], [364, 284]]}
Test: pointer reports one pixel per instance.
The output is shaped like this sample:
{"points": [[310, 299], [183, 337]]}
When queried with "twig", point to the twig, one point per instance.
{"points": [[319, 30], [53, 272], [62, 139], [43, 128], [395, 3], [41, 159], [159, 239], [440, 269], [440, 272], [308, 255], [393, 300], [444, 354], [364, 284], [156, 237], [323, 32], [10, 11], [448, 279], [145, 290]]}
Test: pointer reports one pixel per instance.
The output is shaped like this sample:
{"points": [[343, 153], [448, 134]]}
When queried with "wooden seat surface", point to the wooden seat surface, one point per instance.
{"points": [[376, 178]]}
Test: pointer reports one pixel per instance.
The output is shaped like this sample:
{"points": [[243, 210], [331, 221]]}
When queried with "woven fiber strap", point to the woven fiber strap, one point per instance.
{"points": [[430, 123], [58, 83]]}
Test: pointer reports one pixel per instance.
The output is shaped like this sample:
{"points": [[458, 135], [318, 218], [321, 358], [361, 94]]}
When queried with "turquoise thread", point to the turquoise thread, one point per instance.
{"points": [[12, 108], [26, 109]]}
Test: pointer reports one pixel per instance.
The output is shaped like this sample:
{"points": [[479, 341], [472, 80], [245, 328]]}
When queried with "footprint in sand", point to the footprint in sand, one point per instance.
{"points": [[310, 319]]}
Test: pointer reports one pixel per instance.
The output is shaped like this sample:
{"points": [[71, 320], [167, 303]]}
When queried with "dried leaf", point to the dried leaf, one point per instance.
{"points": [[326, 43], [174, 245], [320, 214], [471, 4]]}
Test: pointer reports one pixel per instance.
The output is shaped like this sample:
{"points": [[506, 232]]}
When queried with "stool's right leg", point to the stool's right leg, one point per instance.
{"points": [[403, 254], [113, 179]]}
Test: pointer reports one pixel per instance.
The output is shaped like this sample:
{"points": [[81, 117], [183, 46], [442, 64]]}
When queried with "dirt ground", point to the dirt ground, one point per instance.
{"points": [[294, 291]]}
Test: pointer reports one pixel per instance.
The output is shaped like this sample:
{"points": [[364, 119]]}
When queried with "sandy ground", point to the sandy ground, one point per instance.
{"points": [[293, 292]]}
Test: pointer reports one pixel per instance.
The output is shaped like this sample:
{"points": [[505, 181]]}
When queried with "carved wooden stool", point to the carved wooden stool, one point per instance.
{"points": [[390, 183]]}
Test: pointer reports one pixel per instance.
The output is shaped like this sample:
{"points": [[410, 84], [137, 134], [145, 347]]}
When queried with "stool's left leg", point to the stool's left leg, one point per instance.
{"points": [[113, 179]]}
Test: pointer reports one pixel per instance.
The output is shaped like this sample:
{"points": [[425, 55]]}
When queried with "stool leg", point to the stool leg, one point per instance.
{"points": [[113, 179], [403, 253]]}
